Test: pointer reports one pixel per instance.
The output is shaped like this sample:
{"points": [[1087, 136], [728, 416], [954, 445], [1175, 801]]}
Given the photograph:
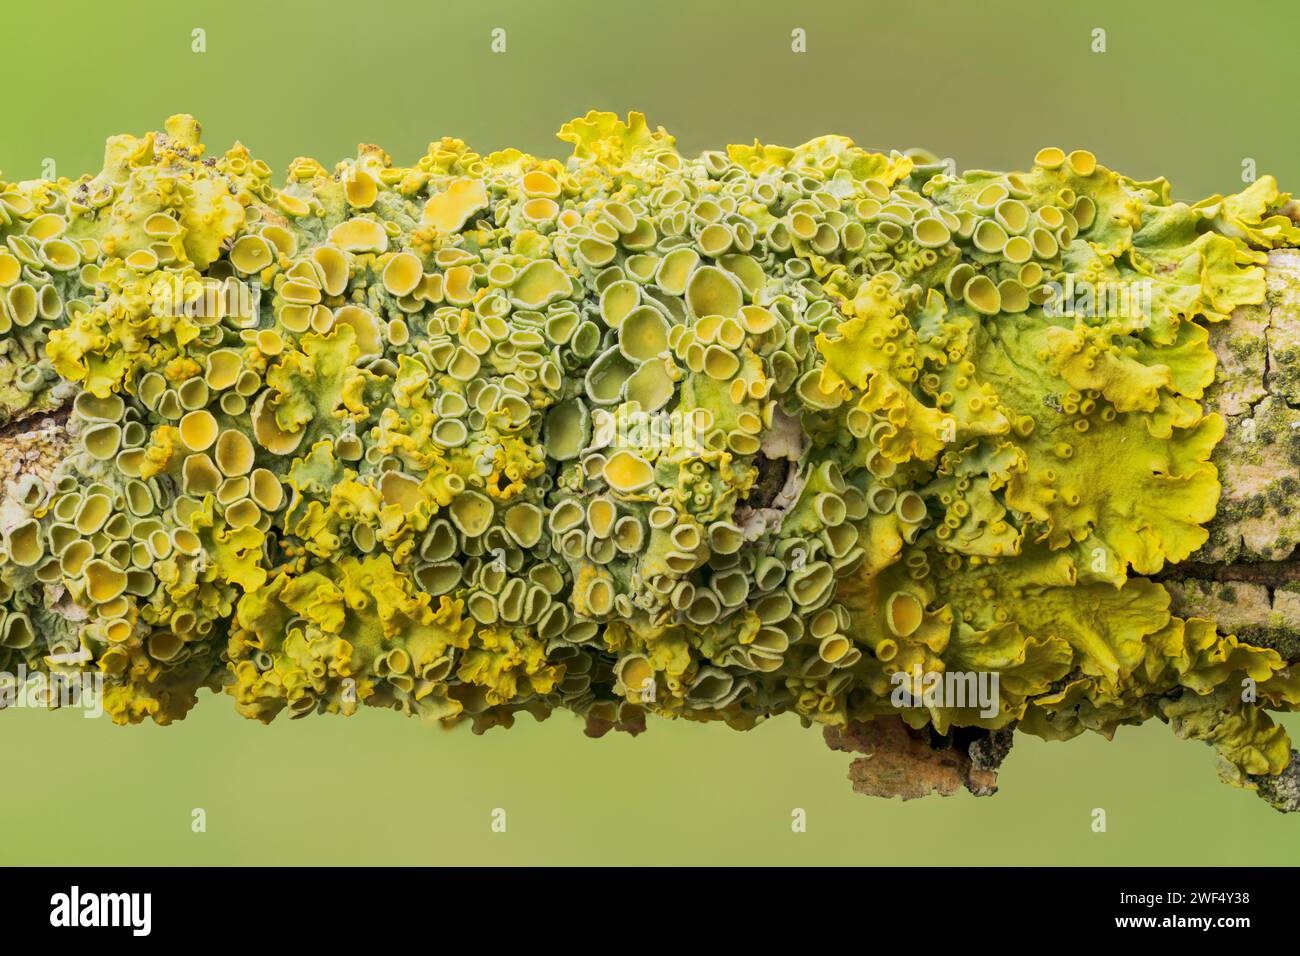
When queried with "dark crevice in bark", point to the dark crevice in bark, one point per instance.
{"points": [[30, 421], [1270, 574], [772, 473]]}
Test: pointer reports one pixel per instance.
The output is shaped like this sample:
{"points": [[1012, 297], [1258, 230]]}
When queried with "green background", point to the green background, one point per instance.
{"points": [[1183, 92]]}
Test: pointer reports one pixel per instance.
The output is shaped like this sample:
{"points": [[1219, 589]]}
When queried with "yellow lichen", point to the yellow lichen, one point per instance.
{"points": [[768, 430]]}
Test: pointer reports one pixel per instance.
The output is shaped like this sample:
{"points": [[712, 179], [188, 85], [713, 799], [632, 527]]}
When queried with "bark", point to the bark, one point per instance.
{"points": [[1247, 576], [901, 762]]}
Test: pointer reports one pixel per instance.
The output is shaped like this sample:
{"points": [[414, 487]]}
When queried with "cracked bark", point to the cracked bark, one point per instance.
{"points": [[1246, 577]]}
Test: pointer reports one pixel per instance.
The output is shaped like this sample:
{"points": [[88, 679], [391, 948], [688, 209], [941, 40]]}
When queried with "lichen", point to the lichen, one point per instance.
{"points": [[758, 432]]}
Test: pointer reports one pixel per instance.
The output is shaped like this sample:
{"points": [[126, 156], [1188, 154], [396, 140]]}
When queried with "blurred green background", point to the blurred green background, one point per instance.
{"points": [[1182, 91]]}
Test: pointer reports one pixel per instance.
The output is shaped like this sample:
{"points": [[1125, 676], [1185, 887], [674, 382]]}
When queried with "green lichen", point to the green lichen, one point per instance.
{"points": [[764, 431]]}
